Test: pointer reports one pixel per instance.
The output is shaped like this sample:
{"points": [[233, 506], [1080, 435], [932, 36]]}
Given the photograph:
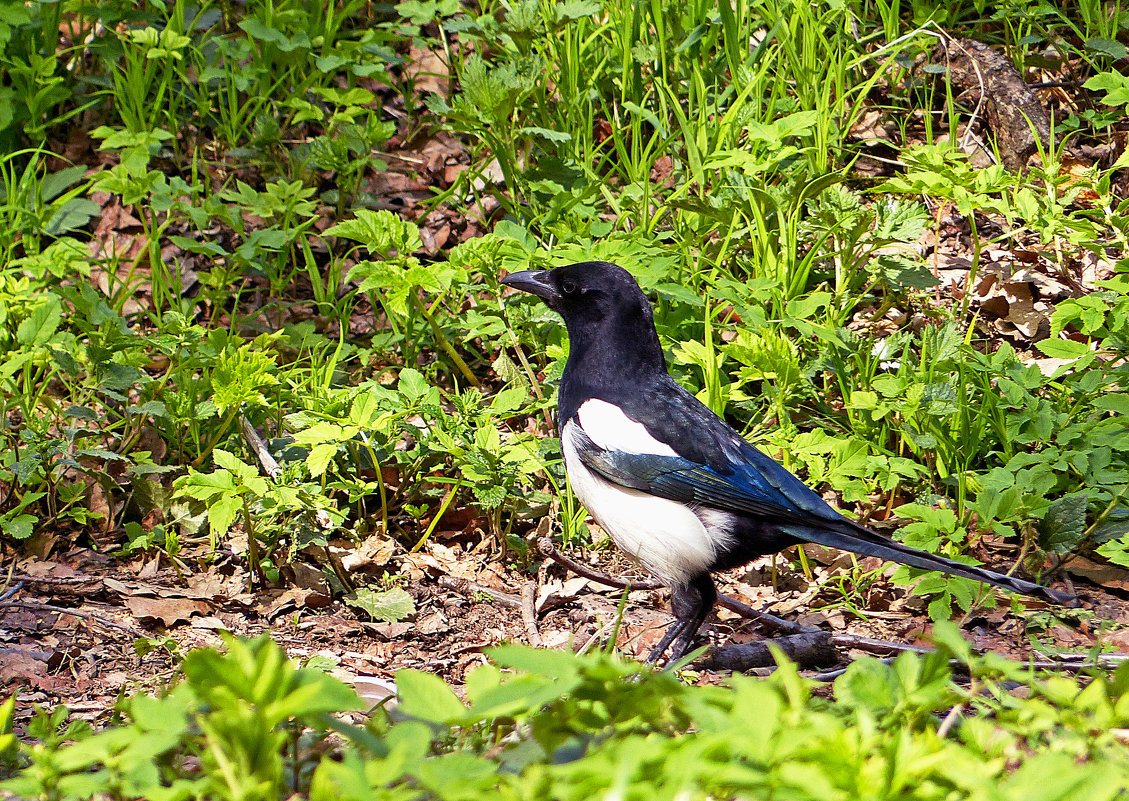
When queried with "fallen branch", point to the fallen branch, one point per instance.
{"points": [[470, 589], [1066, 664], [35, 606], [755, 654], [769, 621], [62, 583], [529, 613], [546, 548], [873, 646], [809, 649], [255, 443]]}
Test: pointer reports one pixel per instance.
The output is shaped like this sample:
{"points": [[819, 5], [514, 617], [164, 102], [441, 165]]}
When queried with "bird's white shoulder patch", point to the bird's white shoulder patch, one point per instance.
{"points": [[673, 541], [611, 429]]}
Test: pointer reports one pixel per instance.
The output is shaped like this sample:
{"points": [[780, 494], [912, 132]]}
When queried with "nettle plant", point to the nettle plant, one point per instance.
{"points": [[422, 433], [541, 723]]}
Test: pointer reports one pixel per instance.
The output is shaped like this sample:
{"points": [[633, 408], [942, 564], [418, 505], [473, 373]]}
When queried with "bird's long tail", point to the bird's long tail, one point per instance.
{"points": [[856, 538]]}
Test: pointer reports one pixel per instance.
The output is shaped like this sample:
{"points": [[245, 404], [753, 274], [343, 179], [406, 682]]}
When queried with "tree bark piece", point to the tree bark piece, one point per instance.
{"points": [[810, 649], [470, 589], [529, 613], [1016, 116]]}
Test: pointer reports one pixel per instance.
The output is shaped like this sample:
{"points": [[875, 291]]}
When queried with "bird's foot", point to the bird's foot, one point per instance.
{"points": [[674, 632]]}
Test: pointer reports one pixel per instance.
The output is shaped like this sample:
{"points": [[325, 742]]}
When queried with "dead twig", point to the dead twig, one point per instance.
{"points": [[752, 654], [808, 649], [35, 606], [8, 593], [873, 646], [950, 720], [1066, 664], [470, 589], [529, 613], [769, 621], [546, 548], [270, 466], [57, 581]]}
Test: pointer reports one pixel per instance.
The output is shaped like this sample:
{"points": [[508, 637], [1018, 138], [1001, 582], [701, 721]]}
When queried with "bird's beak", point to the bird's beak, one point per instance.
{"points": [[535, 282]]}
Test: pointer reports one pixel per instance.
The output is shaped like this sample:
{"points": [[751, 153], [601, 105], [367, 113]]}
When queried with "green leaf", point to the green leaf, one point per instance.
{"points": [[412, 384], [1063, 348], [546, 134], [1114, 84], [509, 371], [867, 684], [509, 399], [427, 697], [221, 513], [72, 215], [228, 461], [366, 407], [41, 324], [380, 231], [941, 607], [576, 9], [1116, 551], [257, 30], [239, 376], [1117, 402], [561, 665], [390, 606], [320, 457], [947, 636], [19, 527], [863, 399], [1108, 47], [1059, 776], [1064, 526], [805, 307]]}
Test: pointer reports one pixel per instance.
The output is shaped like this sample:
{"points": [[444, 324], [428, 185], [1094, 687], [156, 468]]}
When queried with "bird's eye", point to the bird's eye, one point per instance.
{"points": [[569, 287]]}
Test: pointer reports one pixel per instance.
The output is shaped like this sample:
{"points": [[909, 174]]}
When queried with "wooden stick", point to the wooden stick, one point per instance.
{"points": [[529, 613], [464, 587], [270, 465], [769, 621], [97, 618], [809, 649], [546, 548]]}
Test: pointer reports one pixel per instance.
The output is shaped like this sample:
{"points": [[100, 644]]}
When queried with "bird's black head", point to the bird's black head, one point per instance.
{"points": [[587, 291], [610, 326]]}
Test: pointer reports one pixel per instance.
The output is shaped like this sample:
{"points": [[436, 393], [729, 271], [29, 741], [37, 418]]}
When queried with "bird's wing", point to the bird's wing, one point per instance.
{"points": [[762, 490], [757, 486], [717, 465]]}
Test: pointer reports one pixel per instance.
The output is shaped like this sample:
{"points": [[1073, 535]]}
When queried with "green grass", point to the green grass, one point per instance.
{"points": [[707, 148]]}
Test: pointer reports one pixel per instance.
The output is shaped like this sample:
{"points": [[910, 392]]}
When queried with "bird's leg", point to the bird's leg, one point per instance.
{"points": [[690, 603], [672, 631]]}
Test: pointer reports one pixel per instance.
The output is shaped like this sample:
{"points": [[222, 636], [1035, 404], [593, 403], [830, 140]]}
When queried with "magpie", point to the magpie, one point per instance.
{"points": [[669, 481]]}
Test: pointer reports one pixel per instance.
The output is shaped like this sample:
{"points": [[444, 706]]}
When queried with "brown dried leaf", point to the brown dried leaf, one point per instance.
{"points": [[1109, 576], [167, 610], [25, 665], [373, 553], [429, 71]]}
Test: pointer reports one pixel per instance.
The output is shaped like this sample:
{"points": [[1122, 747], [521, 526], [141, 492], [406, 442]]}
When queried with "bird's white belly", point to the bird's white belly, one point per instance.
{"points": [[667, 537]]}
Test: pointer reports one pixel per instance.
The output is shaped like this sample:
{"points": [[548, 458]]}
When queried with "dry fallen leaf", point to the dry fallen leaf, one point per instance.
{"points": [[25, 665], [429, 71], [167, 610], [374, 552], [1108, 576]]}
